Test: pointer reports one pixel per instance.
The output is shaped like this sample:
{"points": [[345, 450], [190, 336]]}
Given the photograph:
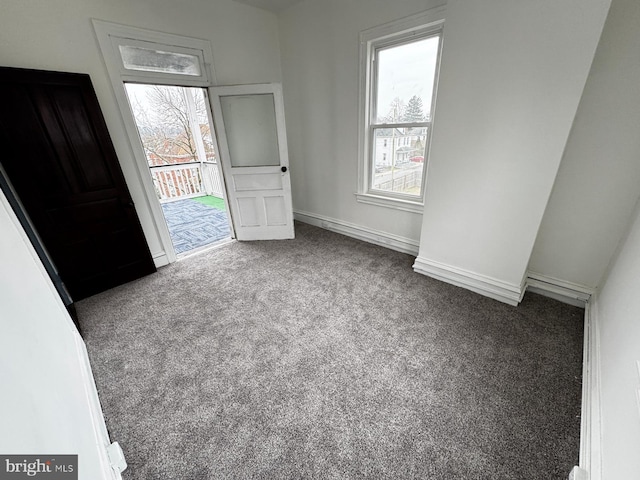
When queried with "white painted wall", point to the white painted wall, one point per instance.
{"points": [[510, 82], [48, 401], [617, 309], [58, 35], [320, 61], [599, 177]]}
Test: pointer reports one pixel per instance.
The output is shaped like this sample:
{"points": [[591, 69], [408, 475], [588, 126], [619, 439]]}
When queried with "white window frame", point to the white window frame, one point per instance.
{"points": [[110, 36], [423, 25]]}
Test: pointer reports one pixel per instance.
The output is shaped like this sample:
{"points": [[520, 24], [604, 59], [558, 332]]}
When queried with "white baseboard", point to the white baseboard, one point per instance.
{"points": [[377, 237], [578, 474], [482, 284], [562, 290], [590, 420], [99, 425], [160, 259]]}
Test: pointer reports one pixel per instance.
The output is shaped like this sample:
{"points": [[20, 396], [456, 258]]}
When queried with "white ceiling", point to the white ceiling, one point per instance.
{"points": [[271, 5]]}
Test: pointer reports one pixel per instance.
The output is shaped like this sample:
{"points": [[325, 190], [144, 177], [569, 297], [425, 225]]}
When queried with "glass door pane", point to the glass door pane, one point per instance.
{"points": [[250, 124]]}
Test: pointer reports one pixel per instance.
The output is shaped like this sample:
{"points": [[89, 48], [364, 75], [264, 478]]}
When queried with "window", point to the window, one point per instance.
{"points": [[144, 56], [399, 75], [154, 60]]}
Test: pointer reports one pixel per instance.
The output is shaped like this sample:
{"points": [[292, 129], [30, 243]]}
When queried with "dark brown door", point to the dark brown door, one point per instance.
{"points": [[59, 157]]}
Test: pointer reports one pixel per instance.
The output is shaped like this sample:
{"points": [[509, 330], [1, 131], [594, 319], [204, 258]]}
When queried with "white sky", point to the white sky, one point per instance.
{"points": [[405, 71]]}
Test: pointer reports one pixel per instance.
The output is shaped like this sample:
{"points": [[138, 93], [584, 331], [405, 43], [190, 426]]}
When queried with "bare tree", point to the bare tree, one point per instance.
{"points": [[164, 126], [171, 110], [396, 111]]}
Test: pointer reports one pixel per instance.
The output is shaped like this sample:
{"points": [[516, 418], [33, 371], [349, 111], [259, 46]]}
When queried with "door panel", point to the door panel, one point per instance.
{"points": [[255, 181], [75, 129], [275, 210], [248, 209], [61, 162], [249, 121]]}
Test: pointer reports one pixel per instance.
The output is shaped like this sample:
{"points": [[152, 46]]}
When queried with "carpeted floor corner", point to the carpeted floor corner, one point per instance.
{"points": [[326, 357]]}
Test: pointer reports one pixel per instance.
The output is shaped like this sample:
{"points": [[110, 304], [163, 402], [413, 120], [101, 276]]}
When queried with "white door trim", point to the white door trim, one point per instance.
{"points": [[106, 32]]}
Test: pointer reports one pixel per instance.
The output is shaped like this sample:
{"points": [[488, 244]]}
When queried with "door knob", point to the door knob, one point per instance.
{"points": [[284, 169]]}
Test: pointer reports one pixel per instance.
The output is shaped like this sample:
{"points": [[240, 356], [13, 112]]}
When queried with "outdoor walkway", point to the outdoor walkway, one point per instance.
{"points": [[193, 224]]}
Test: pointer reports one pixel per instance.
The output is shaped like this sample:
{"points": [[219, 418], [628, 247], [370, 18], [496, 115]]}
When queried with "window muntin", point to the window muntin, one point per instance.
{"points": [[403, 73]]}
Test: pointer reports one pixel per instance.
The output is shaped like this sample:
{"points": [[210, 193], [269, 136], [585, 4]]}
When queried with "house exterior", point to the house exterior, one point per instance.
{"points": [[405, 145]]}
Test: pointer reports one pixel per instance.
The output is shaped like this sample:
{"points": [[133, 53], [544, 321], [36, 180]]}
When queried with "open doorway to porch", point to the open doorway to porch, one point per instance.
{"points": [[179, 145]]}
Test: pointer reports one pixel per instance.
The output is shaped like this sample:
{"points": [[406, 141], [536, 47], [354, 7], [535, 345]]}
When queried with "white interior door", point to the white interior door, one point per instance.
{"points": [[249, 121]]}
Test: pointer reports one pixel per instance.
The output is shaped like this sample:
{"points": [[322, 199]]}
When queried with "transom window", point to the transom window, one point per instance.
{"points": [[154, 60], [145, 56], [398, 96]]}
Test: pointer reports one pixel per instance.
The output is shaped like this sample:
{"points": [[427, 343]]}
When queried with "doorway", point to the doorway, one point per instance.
{"points": [[178, 140], [251, 152]]}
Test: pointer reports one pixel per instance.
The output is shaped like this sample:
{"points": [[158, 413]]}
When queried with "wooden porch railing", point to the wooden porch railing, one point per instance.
{"points": [[186, 180], [211, 179]]}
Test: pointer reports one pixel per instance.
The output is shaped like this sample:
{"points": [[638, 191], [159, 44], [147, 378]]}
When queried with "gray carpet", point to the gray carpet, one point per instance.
{"points": [[326, 357]]}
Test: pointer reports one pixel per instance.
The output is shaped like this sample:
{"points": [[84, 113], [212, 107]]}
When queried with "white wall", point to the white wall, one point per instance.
{"points": [[320, 61], [510, 82], [58, 35], [617, 310], [47, 392], [599, 177]]}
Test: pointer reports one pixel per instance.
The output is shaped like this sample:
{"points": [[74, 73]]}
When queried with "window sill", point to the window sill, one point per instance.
{"points": [[396, 204]]}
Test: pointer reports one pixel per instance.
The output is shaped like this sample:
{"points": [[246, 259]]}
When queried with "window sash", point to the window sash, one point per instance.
{"points": [[371, 188], [372, 121], [429, 23], [386, 44]]}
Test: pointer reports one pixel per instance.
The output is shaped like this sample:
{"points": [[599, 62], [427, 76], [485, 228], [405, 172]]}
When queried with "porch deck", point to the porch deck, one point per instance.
{"points": [[193, 224]]}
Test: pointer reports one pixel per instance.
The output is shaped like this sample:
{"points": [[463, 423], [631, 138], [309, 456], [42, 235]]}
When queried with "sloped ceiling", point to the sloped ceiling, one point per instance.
{"points": [[271, 5]]}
